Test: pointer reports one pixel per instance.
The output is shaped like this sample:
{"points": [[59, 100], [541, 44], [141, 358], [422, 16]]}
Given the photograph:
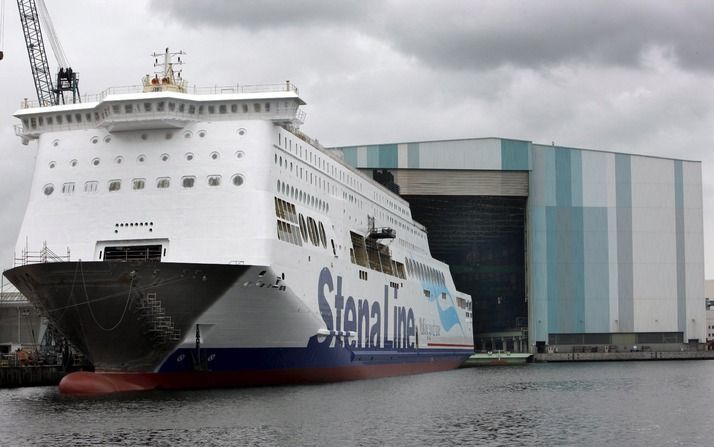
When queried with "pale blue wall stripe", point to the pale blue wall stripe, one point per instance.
{"points": [[388, 156], [623, 193], [515, 155], [679, 222], [413, 155], [597, 281], [350, 155]]}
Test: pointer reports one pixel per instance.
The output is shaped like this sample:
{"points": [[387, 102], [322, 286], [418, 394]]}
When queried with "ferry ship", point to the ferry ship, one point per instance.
{"points": [[208, 242]]}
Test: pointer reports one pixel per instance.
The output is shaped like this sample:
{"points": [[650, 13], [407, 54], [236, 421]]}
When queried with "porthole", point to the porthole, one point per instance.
{"points": [[242, 131], [201, 133], [73, 163], [55, 143], [107, 139], [189, 156], [94, 140], [240, 154], [119, 160], [164, 157], [169, 135], [144, 136], [48, 189], [188, 134], [238, 180], [95, 162], [52, 165], [141, 158], [214, 155]]}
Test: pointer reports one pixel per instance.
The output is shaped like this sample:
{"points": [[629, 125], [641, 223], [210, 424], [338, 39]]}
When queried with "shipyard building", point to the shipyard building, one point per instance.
{"points": [[561, 249]]}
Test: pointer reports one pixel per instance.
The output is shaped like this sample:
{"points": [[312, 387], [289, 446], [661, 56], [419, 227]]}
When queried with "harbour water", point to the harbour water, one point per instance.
{"points": [[593, 404]]}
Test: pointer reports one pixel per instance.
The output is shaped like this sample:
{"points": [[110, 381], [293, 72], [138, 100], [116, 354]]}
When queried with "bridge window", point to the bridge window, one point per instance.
{"points": [[163, 182], [214, 180], [188, 182], [138, 183], [91, 186], [114, 185], [68, 188]]}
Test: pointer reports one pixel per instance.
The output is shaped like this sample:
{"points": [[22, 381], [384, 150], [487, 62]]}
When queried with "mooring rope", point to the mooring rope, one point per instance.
{"points": [[89, 304]]}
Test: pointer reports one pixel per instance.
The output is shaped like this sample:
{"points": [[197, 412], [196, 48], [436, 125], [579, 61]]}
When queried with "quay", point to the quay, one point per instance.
{"points": [[622, 356], [30, 375]]}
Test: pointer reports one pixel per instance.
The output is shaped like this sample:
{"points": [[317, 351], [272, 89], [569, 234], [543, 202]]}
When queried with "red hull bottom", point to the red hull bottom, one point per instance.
{"points": [[97, 383]]}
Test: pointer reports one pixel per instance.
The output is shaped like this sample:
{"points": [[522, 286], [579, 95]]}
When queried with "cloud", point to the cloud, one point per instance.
{"points": [[481, 35], [264, 14]]}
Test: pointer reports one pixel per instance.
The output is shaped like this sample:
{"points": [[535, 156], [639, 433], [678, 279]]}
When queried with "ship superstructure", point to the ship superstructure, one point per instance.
{"points": [[211, 243]]}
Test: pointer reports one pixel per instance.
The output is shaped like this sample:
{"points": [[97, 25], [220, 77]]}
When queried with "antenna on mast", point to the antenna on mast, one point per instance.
{"points": [[166, 79]]}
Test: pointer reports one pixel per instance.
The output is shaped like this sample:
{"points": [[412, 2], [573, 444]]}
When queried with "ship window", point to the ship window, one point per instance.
{"points": [[73, 163], [40, 120], [128, 108], [138, 183], [303, 228], [68, 188], [33, 122], [201, 133], [189, 156], [68, 117], [214, 155], [256, 107], [234, 108], [164, 157], [59, 120], [214, 180], [49, 121], [187, 182], [107, 139], [163, 182], [96, 162], [211, 109], [191, 109], [222, 108], [238, 180], [182, 107], [119, 160], [160, 106], [323, 239], [114, 185], [200, 110], [242, 131], [172, 106], [48, 189], [147, 107], [245, 108], [141, 158], [240, 154], [96, 116], [52, 164], [91, 186], [267, 107]]}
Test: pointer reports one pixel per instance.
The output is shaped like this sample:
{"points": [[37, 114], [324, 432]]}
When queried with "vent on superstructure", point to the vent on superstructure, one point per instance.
{"points": [[133, 253]]}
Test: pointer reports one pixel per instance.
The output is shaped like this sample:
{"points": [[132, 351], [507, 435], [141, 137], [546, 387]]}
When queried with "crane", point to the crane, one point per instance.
{"points": [[67, 80]]}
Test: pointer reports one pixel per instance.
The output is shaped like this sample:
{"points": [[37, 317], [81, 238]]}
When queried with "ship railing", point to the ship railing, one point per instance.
{"points": [[40, 257], [194, 90]]}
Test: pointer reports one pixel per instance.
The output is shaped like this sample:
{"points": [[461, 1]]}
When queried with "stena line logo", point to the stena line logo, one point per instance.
{"points": [[369, 319]]}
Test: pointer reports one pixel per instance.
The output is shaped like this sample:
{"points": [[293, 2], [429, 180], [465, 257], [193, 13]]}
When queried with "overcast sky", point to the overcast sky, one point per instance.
{"points": [[635, 76]]}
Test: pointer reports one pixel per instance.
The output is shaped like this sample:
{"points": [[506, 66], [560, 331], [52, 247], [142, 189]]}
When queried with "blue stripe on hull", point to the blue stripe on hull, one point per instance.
{"points": [[313, 356]]}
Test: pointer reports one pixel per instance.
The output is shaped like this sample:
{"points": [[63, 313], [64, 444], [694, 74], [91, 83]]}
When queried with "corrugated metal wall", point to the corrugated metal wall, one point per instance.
{"points": [[461, 183]]}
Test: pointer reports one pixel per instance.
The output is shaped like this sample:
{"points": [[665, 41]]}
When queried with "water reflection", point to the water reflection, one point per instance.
{"points": [[648, 404]]}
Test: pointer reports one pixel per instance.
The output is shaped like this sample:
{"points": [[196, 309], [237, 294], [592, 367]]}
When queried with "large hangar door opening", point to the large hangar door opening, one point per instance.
{"points": [[482, 238]]}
